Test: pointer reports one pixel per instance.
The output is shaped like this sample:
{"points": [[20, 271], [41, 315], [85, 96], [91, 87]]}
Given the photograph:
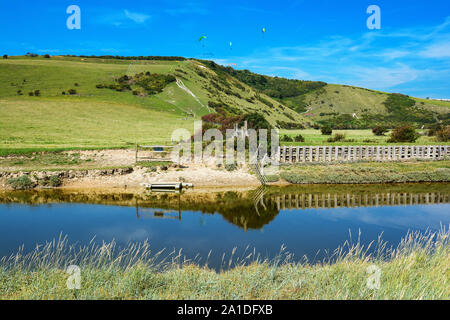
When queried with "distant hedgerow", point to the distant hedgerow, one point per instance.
{"points": [[150, 83]]}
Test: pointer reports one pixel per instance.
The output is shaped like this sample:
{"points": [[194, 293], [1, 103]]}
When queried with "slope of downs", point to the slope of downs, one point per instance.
{"points": [[215, 89], [351, 107], [341, 105]]}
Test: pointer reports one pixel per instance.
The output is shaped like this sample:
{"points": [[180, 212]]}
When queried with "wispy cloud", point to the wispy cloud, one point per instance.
{"points": [[183, 8], [136, 17], [437, 50], [383, 60], [124, 18]]}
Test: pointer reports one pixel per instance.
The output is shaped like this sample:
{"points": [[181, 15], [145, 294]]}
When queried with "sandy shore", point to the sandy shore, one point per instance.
{"points": [[122, 172]]}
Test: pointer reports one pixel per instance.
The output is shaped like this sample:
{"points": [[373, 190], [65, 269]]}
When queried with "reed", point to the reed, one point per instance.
{"points": [[418, 268]]}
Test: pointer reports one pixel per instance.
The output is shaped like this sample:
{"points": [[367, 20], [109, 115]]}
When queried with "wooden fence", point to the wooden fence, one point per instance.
{"points": [[356, 153], [309, 200]]}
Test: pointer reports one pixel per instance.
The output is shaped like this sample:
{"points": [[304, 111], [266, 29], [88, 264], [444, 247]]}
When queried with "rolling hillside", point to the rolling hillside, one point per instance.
{"points": [[343, 106], [98, 102], [102, 117]]}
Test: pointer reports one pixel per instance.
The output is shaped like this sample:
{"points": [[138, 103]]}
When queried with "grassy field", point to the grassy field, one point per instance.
{"points": [[104, 118], [314, 137], [335, 98], [368, 172], [416, 269]]}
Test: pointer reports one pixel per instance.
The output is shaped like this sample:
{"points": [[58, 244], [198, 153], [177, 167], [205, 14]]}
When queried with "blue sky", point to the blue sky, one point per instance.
{"points": [[324, 40]]}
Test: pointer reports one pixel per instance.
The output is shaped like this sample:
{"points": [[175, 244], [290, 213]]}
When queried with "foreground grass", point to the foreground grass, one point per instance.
{"points": [[417, 269], [368, 172]]}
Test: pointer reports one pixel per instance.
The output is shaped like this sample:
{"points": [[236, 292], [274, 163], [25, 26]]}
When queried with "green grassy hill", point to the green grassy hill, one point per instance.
{"points": [[343, 106], [96, 117]]}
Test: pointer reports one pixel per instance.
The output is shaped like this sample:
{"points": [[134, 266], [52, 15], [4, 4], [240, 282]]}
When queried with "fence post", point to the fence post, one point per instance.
{"points": [[136, 155]]}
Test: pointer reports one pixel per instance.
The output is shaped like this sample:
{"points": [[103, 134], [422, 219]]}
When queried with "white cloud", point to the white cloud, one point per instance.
{"points": [[385, 78], [437, 50], [136, 17], [123, 18]]}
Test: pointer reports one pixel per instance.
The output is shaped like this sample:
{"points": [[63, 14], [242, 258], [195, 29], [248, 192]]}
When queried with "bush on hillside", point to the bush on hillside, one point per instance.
{"points": [[337, 137], [443, 135], [256, 121], [5, 56], [379, 130], [299, 138], [326, 131], [72, 91], [433, 129], [405, 133], [286, 138]]}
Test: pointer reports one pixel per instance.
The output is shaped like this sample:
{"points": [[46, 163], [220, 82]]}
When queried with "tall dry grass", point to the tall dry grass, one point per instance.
{"points": [[418, 268]]}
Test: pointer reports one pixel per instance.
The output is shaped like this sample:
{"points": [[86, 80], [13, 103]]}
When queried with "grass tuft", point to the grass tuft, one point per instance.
{"points": [[416, 269]]}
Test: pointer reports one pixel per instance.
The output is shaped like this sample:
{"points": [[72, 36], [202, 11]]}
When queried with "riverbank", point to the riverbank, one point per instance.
{"points": [[117, 169], [416, 269], [368, 172]]}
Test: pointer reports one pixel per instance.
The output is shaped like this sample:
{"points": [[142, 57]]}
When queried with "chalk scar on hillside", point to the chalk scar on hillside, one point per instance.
{"points": [[182, 86]]}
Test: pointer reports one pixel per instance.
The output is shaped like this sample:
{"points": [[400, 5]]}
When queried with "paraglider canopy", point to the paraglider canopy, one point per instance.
{"points": [[201, 38], [263, 30]]}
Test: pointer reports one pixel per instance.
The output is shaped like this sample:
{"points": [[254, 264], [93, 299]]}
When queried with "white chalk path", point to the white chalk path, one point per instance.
{"points": [[182, 86]]}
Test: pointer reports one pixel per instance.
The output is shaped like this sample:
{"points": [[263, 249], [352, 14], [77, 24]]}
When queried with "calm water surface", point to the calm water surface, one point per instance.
{"points": [[306, 220]]}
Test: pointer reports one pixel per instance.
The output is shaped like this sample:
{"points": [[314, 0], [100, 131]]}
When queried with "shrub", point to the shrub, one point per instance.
{"points": [[405, 133], [272, 178], [63, 93], [37, 93], [54, 181], [47, 56], [443, 134], [286, 138], [72, 91], [326, 131], [379, 130], [19, 92], [337, 137], [299, 138], [76, 84], [31, 93], [230, 166], [5, 56], [432, 131], [21, 183]]}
